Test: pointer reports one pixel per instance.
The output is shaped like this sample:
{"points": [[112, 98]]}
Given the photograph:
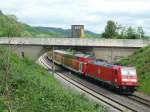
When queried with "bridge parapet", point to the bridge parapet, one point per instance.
{"points": [[137, 43]]}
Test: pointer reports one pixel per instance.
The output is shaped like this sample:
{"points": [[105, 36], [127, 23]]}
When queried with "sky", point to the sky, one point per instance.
{"points": [[94, 14]]}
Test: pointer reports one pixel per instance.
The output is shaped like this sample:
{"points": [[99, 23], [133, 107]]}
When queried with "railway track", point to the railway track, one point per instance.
{"points": [[94, 94], [139, 100], [97, 95]]}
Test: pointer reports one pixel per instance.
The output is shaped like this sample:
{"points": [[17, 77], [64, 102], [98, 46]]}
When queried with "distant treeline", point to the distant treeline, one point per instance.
{"points": [[113, 30]]}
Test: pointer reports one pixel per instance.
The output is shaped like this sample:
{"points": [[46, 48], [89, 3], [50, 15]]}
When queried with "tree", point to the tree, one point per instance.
{"points": [[26, 34], [1, 12], [9, 26], [110, 30], [12, 30], [140, 32], [135, 33], [122, 34], [113, 30], [131, 34]]}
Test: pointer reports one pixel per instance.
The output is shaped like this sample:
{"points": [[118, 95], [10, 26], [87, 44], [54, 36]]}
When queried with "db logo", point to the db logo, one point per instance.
{"points": [[99, 71]]}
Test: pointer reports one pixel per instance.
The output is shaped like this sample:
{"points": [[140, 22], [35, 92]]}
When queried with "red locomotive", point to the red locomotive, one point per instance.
{"points": [[120, 77]]}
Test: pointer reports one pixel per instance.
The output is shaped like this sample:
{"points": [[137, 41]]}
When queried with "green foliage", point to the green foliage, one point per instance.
{"points": [[132, 33], [9, 26], [32, 89], [141, 60], [88, 35], [140, 32], [113, 30], [110, 30], [1, 12]]}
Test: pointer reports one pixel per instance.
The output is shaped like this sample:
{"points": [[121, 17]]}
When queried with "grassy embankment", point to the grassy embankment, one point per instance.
{"points": [[141, 60], [32, 89]]}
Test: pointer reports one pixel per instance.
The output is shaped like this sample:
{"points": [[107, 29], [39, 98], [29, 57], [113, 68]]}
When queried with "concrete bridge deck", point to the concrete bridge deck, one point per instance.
{"points": [[111, 50], [87, 42]]}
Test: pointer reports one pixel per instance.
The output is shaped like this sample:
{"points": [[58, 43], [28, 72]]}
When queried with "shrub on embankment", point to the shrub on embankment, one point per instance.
{"points": [[26, 87], [141, 60]]}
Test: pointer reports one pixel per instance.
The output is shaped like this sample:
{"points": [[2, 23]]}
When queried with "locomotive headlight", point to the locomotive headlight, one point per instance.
{"points": [[125, 80], [133, 80], [129, 80]]}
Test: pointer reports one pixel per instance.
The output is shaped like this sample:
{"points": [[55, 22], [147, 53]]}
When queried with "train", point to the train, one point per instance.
{"points": [[122, 78]]}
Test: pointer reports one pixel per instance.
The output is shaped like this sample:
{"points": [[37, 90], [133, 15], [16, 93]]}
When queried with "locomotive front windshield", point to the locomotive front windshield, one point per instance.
{"points": [[128, 71]]}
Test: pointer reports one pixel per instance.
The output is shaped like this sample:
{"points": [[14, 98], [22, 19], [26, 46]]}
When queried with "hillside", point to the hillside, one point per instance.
{"points": [[26, 87], [59, 32], [10, 26], [141, 60]]}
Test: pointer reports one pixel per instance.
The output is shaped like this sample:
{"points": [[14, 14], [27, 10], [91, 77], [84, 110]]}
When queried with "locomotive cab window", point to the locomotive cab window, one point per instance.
{"points": [[128, 71]]}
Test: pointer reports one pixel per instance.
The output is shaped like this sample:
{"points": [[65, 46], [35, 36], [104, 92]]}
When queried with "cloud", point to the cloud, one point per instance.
{"points": [[92, 13]]}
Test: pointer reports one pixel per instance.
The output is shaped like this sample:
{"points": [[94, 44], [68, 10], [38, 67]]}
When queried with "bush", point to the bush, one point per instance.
{"points": [[32, 89]]}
